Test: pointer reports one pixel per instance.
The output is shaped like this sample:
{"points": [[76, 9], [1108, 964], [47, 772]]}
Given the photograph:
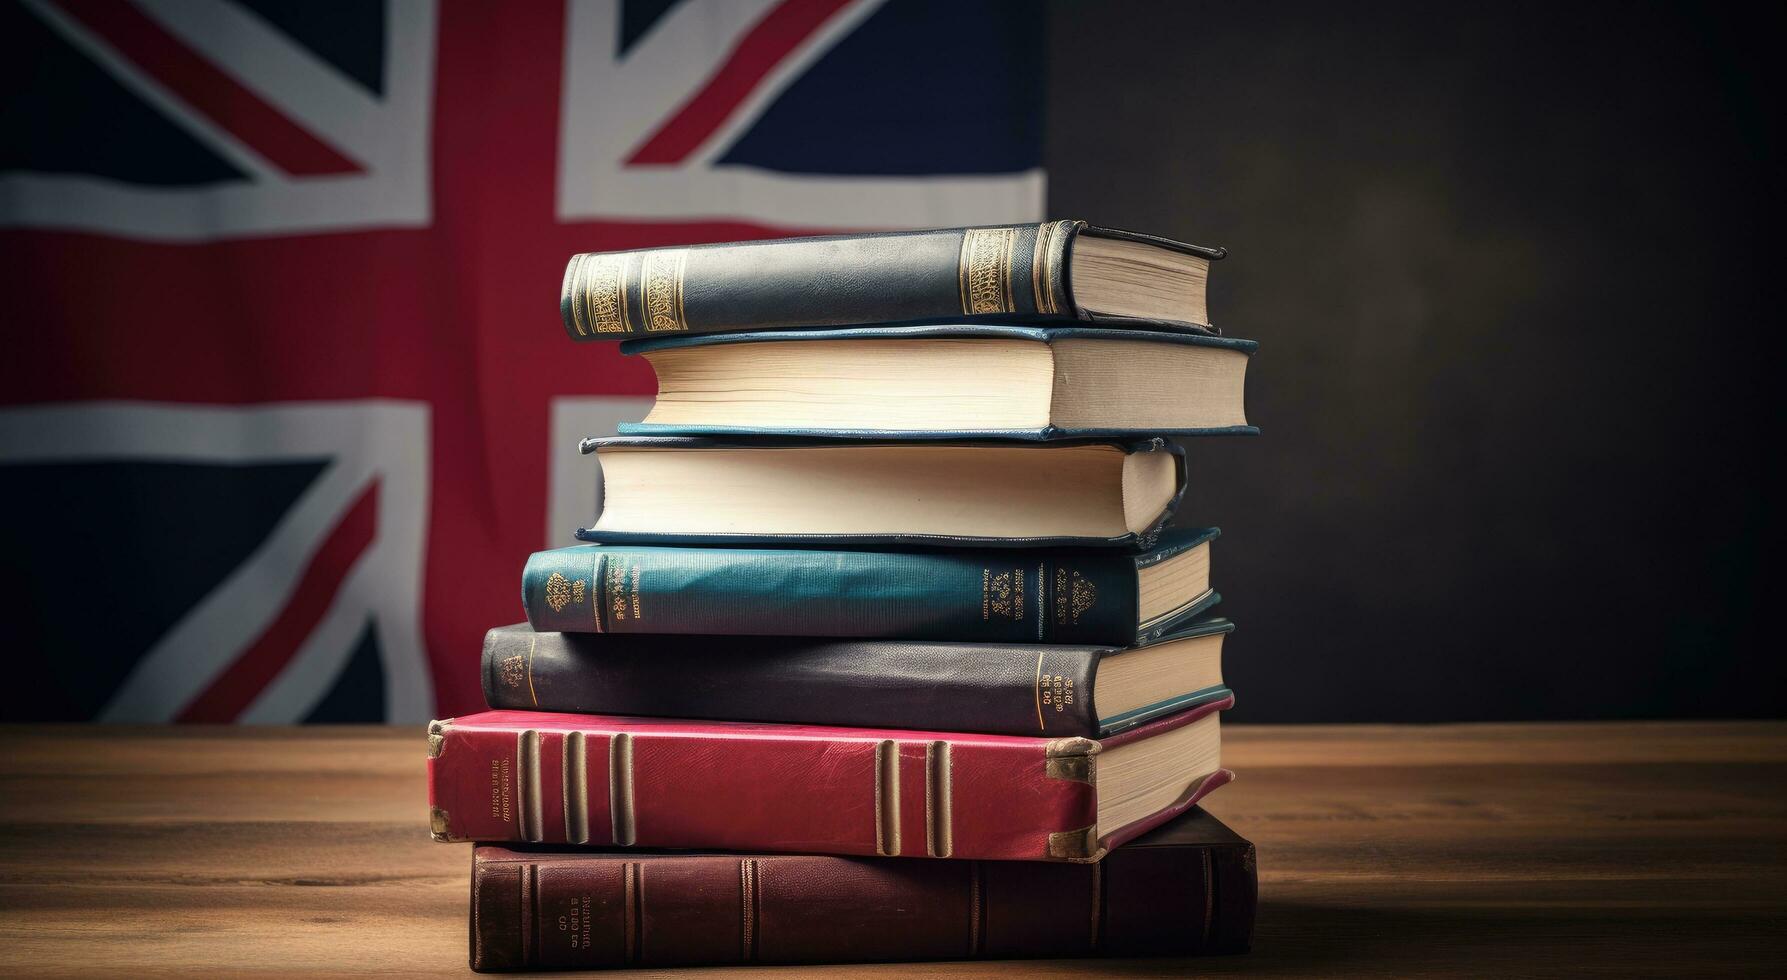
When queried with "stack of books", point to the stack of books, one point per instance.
{"points": [[881, 647]]}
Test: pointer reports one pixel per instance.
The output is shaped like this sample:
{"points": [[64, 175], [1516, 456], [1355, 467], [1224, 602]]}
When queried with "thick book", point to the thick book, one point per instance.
{"points": [[1187, 888], [609, 780], [947, 382], [676, 490], [1056, 270], [1079, 595], [1000, 688]]}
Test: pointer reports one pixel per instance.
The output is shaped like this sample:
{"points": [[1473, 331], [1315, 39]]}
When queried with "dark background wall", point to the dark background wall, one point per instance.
{"points": [[1517, 375]]}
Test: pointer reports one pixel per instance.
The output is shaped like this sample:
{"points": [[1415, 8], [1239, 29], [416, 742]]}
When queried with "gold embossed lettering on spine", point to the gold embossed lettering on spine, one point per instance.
{"points": [[1042, 264], [1075, 595], [985, 270], [598, 288], [562, 592], [662, 274]]}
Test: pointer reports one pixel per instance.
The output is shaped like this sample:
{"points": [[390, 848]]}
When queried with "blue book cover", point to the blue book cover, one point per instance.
{"points": [[1081, 595]]}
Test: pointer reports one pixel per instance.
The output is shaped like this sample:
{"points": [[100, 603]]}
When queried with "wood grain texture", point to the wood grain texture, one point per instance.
{"points": [[1613, 849]]}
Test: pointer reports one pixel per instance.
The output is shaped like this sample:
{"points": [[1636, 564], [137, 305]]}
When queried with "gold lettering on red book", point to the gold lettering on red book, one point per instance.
{"points": [[575, 921], [502, 793]]}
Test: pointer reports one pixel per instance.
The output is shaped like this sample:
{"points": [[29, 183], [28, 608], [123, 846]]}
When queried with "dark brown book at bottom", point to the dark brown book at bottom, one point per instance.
{"points": [[1186, 888]]}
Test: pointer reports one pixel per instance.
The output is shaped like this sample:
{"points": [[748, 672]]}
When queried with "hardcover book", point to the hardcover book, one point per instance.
{"points": [[1057, 270], [671, 490], [1081, 595], [1001, 688], [1187, 888], [544, 777], [947, 382]]}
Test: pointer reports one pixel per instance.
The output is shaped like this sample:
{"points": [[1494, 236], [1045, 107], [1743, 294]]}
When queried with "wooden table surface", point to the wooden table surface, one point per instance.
{"points": [[1499, 850]]}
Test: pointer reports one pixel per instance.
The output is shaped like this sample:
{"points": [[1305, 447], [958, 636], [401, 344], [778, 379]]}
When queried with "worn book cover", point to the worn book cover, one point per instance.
{"points": [[1189, 887], [1000, 688], [1081, 595], [995, 273], [544, 777]]}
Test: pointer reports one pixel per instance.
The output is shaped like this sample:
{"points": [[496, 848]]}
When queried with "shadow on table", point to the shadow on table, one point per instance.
{"points": [[1498, 939]]}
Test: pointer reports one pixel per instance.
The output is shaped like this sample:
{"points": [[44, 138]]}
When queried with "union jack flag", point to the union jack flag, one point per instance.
{"points": [[285, 403]]}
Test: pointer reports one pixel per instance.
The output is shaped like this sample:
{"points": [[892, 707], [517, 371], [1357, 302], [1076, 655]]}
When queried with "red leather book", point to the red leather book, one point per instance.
{"points": [[652, 782], [1187, 888]]}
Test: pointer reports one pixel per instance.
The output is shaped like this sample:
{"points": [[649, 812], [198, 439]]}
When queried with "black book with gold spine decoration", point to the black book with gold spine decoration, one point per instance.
{"points": [[1056, 271]]}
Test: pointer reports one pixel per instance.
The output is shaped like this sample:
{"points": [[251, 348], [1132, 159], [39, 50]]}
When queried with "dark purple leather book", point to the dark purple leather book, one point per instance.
{"points": [[1187, 888], [1002, 688]]}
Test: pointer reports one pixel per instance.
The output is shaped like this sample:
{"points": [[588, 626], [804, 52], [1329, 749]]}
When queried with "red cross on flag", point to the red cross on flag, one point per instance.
{"points": [[286, 403]]}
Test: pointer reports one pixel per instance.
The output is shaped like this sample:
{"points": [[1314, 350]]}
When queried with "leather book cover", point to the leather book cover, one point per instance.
{"points": [[1188, 888], [987, 595], [545, 777], [998, 688], [1003, 272], [1142, 339], [1134, 541]]}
